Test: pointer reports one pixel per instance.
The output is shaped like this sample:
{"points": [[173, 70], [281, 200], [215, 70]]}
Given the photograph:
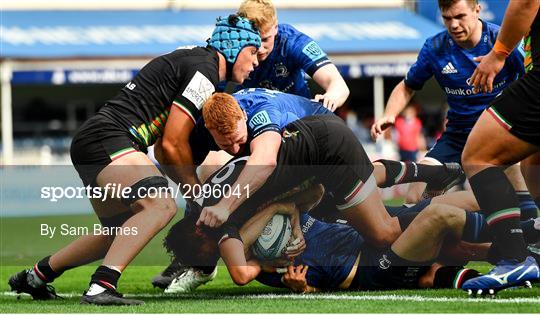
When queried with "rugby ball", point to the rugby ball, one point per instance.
{"points": [[273, 241]]}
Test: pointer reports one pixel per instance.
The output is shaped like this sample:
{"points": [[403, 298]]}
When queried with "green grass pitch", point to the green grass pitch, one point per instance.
{"points": [[21, 244]]}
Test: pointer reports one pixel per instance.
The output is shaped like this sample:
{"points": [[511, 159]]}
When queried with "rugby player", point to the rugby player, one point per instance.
{"points": [[336, 256], [449, 57], [506, 133], [249, 123], [228, 125], [163, 100], [287, 54]]}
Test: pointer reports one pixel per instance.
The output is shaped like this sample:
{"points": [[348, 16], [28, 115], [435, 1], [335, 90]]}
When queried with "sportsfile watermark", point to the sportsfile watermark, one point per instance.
{"points": [[119, 191]]}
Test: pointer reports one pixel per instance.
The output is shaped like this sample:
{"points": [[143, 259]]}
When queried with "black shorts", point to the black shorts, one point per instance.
{"points": [[97, 143], [324, 147], [517, 109], [375, 272]]}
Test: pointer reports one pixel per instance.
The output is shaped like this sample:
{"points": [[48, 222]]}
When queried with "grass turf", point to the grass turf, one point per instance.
{"points": [[22, 244]]}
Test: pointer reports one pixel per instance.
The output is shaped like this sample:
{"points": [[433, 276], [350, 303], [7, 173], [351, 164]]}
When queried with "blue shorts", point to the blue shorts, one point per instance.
{"points": [[397, 211], [449, 147]]}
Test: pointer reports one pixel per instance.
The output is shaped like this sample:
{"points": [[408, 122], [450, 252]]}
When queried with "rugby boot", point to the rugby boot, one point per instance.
{"points": [[453, 175], [506, 274], [190, 280], [20, 284], [173, 270], [108, 297]]}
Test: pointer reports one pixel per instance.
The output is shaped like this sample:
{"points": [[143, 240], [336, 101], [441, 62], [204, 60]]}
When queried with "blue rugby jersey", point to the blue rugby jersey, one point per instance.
{"points": [[269, 110], [452, 67], [293, 55], [331, 250], [266, 110]]}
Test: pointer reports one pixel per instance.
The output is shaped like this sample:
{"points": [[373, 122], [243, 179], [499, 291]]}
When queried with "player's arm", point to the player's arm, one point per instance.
{"points": [[519, 16], [242, 271], [307, 199], [251, 230], [176, 151], [260, 164], [399, 98], [337, 92]]}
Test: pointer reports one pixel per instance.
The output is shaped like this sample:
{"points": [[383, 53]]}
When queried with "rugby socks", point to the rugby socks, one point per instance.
{"points": [[453, 277], [498, 201], [409, 172], [42, 273], [103, 279], [477, 231], [528, 207]]}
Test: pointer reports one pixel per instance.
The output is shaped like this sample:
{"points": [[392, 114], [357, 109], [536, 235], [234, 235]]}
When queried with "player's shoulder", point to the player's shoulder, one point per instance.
{"points": [[287, 30], [492, 30], [193, 57], [290, 37], [438, 43]]}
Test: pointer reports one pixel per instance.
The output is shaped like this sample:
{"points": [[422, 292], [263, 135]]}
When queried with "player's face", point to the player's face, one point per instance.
{"points": [[232, 143], [268, 37], [245, 64], [461, 21]]}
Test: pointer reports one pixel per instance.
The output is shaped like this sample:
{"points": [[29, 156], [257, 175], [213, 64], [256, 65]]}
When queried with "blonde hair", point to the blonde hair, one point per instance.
{"points": [[222, 113], [261, 12]]}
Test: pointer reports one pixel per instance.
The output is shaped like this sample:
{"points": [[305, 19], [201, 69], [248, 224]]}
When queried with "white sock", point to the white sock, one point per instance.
{"points": [[33, 279], [95, 289]]}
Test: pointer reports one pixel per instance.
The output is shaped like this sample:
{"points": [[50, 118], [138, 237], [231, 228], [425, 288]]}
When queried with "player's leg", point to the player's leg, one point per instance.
{"points": [[409, 261], [150, 207], [370, 218], [347, 172], [34, 281], [423, 240], [446, 151], [389, 173], [484, 157]]}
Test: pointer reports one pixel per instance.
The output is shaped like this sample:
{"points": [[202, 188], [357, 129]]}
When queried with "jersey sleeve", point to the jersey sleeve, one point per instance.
{"points": [[265, 118], [229, 230], [308, 56], [201, 142], [421, 70], [198, 85]]}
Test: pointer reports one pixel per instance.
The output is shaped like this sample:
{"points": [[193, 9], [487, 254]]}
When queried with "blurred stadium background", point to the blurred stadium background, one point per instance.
{"points": [[61, 60]]}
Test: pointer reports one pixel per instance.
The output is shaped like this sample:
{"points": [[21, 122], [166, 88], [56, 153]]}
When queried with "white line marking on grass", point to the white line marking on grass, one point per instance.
{"points": [[341, 297]]}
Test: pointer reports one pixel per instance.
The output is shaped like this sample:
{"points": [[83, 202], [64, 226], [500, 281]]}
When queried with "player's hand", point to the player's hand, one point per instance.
{"points": [[213, 216], [328, 100], [490, 65], [298, 245], [381, 125], [295, 278], [295, 248]]}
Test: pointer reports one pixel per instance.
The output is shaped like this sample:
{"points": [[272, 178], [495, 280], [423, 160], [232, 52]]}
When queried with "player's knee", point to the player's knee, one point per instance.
{"points": [[152, 194], [164, 208], [440, 215], [385, 236]]}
